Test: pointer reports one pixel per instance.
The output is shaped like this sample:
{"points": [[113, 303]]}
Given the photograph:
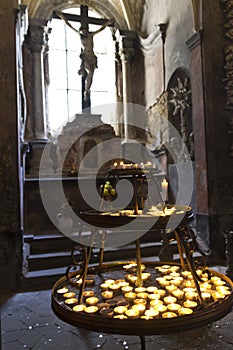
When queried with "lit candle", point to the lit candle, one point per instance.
{"points": [[169, 315], [169, 300], [188, 283], [178, 293], [120, 309], [127, 289], [177, 281], [205, 286], [184, 311], [186, 274], [139, 307], [175, 268], [140, 289], [160, 308], [130, 296], [104, 286], [175, 274], [164, 282], [155, 296], [140, 301], [191, 296], [88, 293], [121, 317], [146, 317], [152, 313], [222, 289], [219, 283], [79, 308], [161, 292], [142, 295], [92, 301], [91, 309], [190, 304], [206, 296], [155, 303], [217, 295], [173, 307], [131, 313], [69, 295], [164, 185], [114, 287], [171, 288], [71, 301], [151, 289], [145, 276], [62, 290], [107, 294], [109, 282]]}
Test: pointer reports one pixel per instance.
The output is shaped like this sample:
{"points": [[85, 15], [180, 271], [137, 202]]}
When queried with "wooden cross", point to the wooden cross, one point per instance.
{"points": [[84, 20]]}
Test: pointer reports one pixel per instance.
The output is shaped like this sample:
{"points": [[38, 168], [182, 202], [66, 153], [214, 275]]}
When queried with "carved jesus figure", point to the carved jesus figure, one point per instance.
{"points": [[88, 58]]}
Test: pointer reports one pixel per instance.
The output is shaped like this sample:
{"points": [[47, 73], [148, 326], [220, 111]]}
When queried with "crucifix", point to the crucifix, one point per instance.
{"points": [[88, 58]]}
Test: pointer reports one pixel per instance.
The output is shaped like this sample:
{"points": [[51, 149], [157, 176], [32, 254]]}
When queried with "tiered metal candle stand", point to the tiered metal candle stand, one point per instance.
{"points": [[99, 313]]}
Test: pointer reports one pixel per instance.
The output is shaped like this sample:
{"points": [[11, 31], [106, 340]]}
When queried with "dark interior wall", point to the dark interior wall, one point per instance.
{"points": [[10, 219]]}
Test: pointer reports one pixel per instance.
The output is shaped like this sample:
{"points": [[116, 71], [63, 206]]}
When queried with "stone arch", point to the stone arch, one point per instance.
{"points": [[103, 7]]}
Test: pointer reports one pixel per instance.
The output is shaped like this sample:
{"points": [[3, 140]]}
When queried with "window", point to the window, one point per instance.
{"points": [[65, 84]]}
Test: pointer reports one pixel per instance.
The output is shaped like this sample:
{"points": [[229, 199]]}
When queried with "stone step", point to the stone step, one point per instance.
{"points": [[59, 259], [55, 242]]}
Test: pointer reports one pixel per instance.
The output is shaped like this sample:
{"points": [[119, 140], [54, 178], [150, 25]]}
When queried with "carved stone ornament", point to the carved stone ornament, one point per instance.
{"points": [[228, 51], [160, 108]]}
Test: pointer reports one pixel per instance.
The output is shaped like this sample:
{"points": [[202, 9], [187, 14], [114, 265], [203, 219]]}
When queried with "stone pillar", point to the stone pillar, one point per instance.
{"points": [[126, 52], [199, 129], [38, 44], [10, 184], [38, 33], [214, 190]]}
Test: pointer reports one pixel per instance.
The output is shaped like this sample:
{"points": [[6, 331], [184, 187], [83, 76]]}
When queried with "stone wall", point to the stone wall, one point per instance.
{"points": [[10, 219]]}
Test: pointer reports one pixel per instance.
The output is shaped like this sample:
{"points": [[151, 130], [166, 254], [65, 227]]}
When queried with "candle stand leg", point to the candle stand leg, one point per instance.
{"points": [[188, 253], [139, 266], [80, 297], [101, 251], [179, 247], [143, 342]]}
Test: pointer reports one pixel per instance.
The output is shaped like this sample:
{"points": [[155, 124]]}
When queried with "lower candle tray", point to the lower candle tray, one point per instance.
{"points": [[105, 321]]}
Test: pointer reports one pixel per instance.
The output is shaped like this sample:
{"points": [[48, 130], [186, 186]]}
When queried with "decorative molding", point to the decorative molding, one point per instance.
{"points": [[179, 97], [154, 113], [150, 43]]}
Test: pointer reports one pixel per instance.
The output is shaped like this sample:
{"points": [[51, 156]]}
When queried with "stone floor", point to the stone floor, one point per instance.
{"points": [[27, 322]]}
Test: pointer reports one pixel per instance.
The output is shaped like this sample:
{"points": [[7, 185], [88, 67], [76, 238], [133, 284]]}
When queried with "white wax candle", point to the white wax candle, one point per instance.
{"points": [[164, 185]]}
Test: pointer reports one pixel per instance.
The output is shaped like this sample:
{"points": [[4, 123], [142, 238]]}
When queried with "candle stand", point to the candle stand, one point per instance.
{"points": [[141, 297]]}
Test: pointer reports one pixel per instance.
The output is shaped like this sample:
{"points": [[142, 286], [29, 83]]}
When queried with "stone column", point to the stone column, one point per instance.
{"points": [[38, 31], [38, 45], [126, 51]]}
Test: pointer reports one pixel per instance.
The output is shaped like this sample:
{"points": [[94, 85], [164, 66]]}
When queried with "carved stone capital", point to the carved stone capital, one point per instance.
{"points": [[38, 35], [150, 43], [126, 44], [126, 55]]}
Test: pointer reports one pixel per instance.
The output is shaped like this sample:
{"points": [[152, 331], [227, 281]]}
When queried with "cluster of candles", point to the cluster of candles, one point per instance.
{"points": [[122, 165], [173, 295]]}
